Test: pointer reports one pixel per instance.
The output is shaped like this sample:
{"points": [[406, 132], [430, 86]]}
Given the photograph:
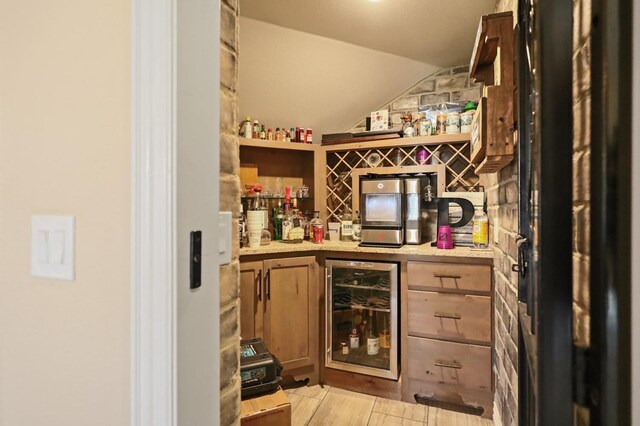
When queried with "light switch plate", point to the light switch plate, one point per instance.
{"points": [[225, 237], [52, 247]]}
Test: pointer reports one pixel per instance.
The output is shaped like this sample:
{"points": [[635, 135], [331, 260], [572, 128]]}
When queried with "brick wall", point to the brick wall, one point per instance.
{"points": [[502, 209], [229, 201], [447, 84], [581, 177]]}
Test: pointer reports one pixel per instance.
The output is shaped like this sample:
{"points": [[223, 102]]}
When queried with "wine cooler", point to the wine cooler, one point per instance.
{"points": [[362, 317]]}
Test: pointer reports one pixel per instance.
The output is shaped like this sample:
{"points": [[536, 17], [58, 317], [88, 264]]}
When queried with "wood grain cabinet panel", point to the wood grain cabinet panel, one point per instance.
{"points": [[438, 362], [291, 314], [458, 317], [449, 277], [279, 303]]}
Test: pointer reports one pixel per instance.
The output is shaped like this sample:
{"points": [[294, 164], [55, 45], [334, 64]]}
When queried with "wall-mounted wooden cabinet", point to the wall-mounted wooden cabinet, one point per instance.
{"points": [[492, 142]]}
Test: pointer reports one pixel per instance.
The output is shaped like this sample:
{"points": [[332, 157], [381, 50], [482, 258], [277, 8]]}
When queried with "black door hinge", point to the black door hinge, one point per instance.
{"points": [[582, 391]]}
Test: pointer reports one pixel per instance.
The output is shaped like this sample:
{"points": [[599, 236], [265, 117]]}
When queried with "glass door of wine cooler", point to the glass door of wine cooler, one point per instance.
{"points": [[362, 317]]}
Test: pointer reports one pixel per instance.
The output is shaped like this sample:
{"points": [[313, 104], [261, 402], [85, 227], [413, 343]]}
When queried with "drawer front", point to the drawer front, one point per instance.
{"points": [[453, 397], [436, 362], [448, 277], [449, 316]]}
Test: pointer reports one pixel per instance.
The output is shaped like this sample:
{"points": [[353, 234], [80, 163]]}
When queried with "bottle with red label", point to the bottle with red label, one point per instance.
{"points": [[309, 138], [302, 135]]}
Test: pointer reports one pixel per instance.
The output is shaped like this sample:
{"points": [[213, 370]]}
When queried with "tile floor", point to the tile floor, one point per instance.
{"points": [[316, 405]]}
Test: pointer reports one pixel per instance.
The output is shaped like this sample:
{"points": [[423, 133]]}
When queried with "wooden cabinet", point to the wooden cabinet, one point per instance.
{"points": [[448, 337], [279, 302]]}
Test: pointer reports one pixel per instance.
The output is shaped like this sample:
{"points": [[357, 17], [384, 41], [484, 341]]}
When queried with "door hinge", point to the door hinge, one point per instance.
{"points": [[582, 390]]}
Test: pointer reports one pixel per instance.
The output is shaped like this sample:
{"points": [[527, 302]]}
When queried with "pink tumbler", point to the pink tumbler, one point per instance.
{"points": [[444, 237]]}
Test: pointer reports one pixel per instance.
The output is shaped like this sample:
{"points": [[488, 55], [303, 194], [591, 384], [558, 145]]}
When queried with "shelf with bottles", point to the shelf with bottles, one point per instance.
{"points": [[274, 198], [346, 300], [360, 356], [293, 146]]}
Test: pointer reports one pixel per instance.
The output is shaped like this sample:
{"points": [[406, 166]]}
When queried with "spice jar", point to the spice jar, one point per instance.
{"points": [[466, 118], [441, 123], [453, 123]]}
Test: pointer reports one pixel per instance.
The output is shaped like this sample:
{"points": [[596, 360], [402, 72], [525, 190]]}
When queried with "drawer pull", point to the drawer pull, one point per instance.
{"points": [[447, 364], [446, 315], [454, 277]]}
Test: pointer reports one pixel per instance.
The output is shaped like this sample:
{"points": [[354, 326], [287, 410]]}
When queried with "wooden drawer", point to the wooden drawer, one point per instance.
{"points": [[449, 277], [434, 362], [449, 316]]}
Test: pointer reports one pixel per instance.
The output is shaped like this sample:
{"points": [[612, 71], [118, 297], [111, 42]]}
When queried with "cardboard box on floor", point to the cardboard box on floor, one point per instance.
{"points": [[272, 409]]}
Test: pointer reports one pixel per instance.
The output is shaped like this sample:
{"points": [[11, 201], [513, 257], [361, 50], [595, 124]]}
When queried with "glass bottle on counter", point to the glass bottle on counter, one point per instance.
{"points": [[263, 133], [373, 341], [346, 225], [316, 232], [480, 235], [255, 133], [287, 221], [242, 226], [357, 228], [278, 217]]}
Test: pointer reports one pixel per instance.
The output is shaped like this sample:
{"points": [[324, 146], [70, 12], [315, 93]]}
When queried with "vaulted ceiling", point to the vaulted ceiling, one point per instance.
{"points": [[437, 32]]}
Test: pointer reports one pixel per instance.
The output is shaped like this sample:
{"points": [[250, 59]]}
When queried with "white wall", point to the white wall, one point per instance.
{"points": [[291, 78], [65, 149], [635, 239]]}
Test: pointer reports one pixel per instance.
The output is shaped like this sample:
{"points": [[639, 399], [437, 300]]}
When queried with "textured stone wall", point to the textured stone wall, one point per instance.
{"points": [[581, 177], [229, 201], [445, 85], [502, 209]]}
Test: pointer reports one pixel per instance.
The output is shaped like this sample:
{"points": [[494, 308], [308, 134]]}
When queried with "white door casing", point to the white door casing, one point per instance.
{"points": [[175, 180], [635, 224]]}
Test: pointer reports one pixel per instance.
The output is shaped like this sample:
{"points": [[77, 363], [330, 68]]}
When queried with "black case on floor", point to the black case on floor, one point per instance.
{"points": [[259, 369]]}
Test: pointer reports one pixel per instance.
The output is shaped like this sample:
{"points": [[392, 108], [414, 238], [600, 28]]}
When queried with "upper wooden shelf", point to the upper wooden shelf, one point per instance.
{"points": [[399, 142], [291, 146]]}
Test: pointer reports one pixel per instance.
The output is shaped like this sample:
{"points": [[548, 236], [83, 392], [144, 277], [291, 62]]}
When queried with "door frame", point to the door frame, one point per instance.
{"points": [[154, 390], [610, 249], [635, 236]]}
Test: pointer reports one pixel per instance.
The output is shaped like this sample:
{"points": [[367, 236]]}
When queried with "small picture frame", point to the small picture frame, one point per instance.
{"points": [[380, 120]]}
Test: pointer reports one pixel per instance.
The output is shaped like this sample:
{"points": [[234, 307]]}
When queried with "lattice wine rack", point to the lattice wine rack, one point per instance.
{"points": [[454, 154]]}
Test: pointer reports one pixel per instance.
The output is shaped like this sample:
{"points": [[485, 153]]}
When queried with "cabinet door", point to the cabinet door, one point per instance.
{"points": [[291, 314], [251, 300]]}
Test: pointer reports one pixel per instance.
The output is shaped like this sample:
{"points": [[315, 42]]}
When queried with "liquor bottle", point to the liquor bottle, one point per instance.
{"points": [[306, 222], [316, 233], [263, 133], [309, 138], [255, 133], [357, 228], [287, 223], [242, 222], [292, 135], [278, 217], [303, 136], [269, 134], [278, 136], [480, 235], [373, 341], [247, 129], [297, 135], [346, 225], [385, 334], [354, 337]]}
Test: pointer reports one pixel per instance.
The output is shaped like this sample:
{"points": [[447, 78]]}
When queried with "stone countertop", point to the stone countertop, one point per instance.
{"points": [[421, 250]]}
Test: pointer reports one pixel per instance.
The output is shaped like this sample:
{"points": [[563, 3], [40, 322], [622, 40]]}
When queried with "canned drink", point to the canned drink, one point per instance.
{"points": [[318, 234]]}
